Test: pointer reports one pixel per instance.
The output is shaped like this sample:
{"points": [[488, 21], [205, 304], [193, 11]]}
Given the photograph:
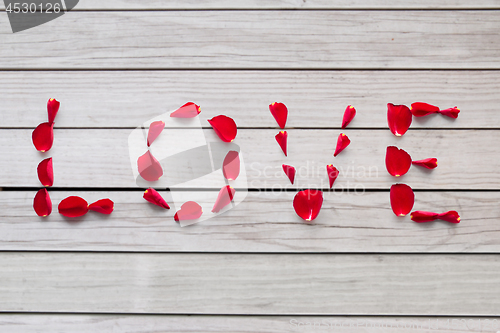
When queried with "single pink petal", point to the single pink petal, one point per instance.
{"points": [[149, 167], [226, 195], [289, 172], [155, 198], [420, 109], [52, 109], [103, 206], [451, 216], [342, 143], [282, 138], [399, 118], [43, 137], [189, 211], [333, 173], [224, 127], [231, 165], [73, 206], [307, 204], [188, 110], [46, 172], [280, 113], [155, 129], [397, 161], [349, 114], [422, 216], [429, 163], [402, 199], [451, 112], [42, 203]]}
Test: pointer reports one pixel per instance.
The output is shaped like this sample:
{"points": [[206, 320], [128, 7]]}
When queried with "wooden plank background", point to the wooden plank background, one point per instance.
{"points": [[258, 267]]}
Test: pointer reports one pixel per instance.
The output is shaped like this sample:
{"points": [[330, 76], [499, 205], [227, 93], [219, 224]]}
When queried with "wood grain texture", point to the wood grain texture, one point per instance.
{"points": [[263, 222], [314, 98], [31, 323], [257, 39], [250, 284], [100, 158]]}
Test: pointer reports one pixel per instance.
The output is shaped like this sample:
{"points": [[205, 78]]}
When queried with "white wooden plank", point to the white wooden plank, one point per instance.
{"points": [[263, 222], [256, 39], [250, 284], [23, 323], [314, 98], [100, 158]]}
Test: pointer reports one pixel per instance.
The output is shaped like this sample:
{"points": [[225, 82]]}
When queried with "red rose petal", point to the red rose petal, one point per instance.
{"points": [[397, 161], [155, 129], [188, 110], [349, 114], [451, 112], [420, 109], [155, 198], [43, 137], [231, 165], [224, 127], [73, 207], [402, 199], [282, 138], [46, 172], [226, 194], [189, 211], [289, 172], [333, 173], [52, 108], [307, 204], [103, 206], [421, 216], [149, 167], [429, 163], [279, 112], [399, 118], [451, 216], [342, 142], [42, 203]]}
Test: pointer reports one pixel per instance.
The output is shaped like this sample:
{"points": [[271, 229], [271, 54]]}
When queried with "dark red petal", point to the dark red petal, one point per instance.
{"points": [[46, 172], [155, 198], [402, 199], [342, 142], [224, 127], [231, 165], [289, 172], [420, 109], [226, 194], [279, 112], [451, 112], [421, 216], [103, 206], [397, 161], [188, 110], [349, 114], [307, 204], [333, 173], [282, 138], [43, 137], [155, 129], [189, 211], [451, 216], [429, 163], [399, 118], [73, 207], [42, 203], [52, 108], [149, 167]]}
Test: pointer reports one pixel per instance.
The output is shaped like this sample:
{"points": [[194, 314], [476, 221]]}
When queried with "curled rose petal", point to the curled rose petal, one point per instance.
{"points": [[349, 114], [155, 198], [307, 204], [420, 109], [226, 195], [451, 112], [43, 137], [231, 165], [52, 108], [42, 203], [155, 129], [282, 138], [103, 206], [224, 127], [279, 112], [73, 207], [402, 199], [149, 167], [188, 110], [46, 172], [429, 163], [421, 216], [399, 118], [397, 161], [289, 172], [189, 211], [451, 216], [342, 143], [333, 173]]}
